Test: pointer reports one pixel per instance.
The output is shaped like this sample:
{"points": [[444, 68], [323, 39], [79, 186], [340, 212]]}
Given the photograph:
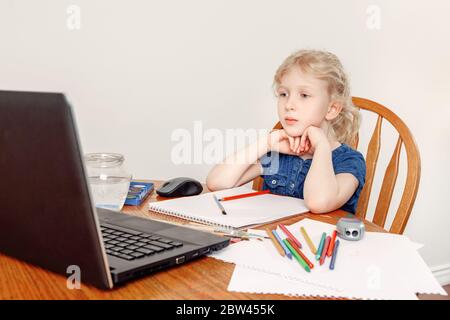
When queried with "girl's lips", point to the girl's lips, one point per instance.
{"points": [[290, 121]]}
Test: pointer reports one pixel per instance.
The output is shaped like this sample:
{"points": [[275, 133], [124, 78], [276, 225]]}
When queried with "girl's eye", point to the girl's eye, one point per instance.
{"points": [[304, 95], [282, 94]]}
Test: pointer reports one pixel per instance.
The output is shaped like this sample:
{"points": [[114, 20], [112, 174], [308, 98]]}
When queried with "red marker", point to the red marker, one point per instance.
{"points": [[290, 235], [330, 248], [324, 250], [245, 195]]}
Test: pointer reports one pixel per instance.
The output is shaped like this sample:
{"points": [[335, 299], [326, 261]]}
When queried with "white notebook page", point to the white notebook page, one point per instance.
{"points": [[240, 212]]}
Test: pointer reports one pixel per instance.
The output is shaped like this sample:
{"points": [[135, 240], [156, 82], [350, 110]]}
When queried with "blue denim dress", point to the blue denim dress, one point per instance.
{"points": [[285, 174]]}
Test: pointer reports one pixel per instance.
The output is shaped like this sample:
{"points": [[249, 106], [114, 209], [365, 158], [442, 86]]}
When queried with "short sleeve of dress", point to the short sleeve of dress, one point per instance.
{"points": [[351, 162]]}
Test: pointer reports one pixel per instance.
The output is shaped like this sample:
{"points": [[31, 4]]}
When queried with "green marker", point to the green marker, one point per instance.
{"points": [[297, 256], [322, 242]]}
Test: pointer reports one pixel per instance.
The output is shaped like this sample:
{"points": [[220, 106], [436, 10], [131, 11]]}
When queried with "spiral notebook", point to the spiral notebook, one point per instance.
{"points": [[241, 213]]}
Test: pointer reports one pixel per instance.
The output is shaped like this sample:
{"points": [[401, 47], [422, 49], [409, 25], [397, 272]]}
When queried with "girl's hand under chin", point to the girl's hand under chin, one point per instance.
{"points": [[311, 138], [281, 142], [307, 143]]}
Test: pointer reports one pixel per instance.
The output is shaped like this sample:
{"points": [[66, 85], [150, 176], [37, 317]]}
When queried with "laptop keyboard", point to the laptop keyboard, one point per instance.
{"points": [[131, 245]]}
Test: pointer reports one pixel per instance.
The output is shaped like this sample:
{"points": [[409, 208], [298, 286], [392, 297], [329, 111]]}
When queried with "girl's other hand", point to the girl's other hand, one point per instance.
{"points": [[281, 142], [311, 138]]}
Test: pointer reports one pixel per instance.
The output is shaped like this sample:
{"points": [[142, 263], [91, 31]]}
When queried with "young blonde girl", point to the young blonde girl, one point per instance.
{"points": [[310, 157]]}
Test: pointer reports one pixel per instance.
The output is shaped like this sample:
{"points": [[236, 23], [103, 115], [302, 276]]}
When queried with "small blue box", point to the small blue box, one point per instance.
{"points": [[137, 192]]}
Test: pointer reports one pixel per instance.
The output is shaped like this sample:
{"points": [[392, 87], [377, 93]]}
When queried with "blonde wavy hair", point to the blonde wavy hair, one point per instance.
{"points": [[326, 66]]}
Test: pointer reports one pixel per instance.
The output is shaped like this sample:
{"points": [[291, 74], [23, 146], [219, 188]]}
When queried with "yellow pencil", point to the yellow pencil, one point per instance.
{"points": [[308, 240], [275, 242]]}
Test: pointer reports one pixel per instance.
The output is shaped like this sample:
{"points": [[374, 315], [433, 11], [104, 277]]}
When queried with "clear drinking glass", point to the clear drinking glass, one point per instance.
{"points": [[108, 179]]}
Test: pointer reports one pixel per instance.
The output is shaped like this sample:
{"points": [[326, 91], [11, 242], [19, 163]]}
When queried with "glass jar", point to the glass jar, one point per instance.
{"points": [[108, 179]]}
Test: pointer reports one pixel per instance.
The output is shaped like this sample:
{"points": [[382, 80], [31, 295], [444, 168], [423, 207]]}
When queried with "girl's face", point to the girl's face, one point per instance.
{"points": [[303, 101]]}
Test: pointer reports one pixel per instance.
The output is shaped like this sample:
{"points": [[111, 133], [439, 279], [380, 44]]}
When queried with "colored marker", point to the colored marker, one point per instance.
{"points": [[290, 235], [245, 195], [300, 253], [286, 250], [296, 255], [333, 258], [275, 243], [324, 250], [308, 240], [331, 246], [322, 242]]}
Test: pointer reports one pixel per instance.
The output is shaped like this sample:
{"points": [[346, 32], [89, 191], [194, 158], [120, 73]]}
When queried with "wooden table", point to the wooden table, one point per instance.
{"points": [[204, 278]]}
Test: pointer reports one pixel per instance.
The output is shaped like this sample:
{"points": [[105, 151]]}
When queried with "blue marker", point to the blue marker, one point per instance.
{"points": [[333, 258], [321, 244], [286, 250]]}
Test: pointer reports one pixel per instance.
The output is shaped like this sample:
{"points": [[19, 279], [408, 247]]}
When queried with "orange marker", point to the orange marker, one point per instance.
{"points": [[331, 246]]}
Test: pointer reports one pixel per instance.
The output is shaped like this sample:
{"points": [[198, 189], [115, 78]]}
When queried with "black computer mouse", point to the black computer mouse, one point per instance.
{"points": [[180, 187]]}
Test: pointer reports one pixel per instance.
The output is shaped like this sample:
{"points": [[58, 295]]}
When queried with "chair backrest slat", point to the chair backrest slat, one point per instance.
{"points": [[387, 187], [373, 150], [257, 184], [356, 142], [411, 186]]}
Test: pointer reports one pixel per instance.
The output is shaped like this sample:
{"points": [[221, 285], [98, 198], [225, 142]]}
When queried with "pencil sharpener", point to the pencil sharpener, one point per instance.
{"points": [[350, 229]]}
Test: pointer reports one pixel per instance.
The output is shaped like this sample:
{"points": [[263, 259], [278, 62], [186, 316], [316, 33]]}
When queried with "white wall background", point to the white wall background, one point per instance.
{"points": [[138, 70]]}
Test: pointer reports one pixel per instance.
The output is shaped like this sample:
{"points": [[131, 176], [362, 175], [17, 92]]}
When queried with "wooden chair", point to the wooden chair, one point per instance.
{"points": [[413, 169]]}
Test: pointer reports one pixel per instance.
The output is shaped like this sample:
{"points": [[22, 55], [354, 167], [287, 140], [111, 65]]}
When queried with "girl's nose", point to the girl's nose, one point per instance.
{"points": [[289, 106]]}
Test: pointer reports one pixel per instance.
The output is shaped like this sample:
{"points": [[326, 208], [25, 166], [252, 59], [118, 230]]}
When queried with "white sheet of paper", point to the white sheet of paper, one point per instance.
{"points": [[248, 280], [253, 281], [385, 255], [381, 266]]}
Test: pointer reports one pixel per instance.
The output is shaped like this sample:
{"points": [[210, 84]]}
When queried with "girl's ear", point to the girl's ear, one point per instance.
{"points": [[333, 110]]}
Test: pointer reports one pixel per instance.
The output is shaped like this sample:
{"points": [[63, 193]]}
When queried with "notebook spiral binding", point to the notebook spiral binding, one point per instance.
{"points": [[190, 218]]}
